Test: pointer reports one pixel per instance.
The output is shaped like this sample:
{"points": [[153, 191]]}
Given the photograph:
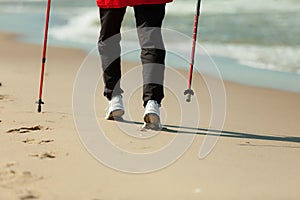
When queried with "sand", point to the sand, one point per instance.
{"points": [[42, 156]]}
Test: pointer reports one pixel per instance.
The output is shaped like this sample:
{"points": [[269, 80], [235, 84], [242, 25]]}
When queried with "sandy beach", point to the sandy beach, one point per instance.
{"points": [[42, 157]]}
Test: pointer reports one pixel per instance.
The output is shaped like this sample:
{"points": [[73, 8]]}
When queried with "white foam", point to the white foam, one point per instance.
{"points": [[84, 29], [187, 7], [279, 58], [81, 28]]}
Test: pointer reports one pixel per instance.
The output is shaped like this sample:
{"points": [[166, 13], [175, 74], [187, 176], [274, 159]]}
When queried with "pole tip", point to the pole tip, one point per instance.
{"points": [[39, 102], [189, 93], [188, 98], [39, 108]]}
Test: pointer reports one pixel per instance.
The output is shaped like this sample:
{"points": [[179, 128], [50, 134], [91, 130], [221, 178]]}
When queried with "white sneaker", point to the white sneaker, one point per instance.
{"points": [[115, 108], [152, 116]]}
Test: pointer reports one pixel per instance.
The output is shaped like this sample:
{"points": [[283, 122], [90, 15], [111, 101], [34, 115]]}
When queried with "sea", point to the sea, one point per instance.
{"points": [[250, 42]]}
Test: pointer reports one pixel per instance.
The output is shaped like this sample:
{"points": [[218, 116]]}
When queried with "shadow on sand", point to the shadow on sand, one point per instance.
{"points": [[221, 133]]}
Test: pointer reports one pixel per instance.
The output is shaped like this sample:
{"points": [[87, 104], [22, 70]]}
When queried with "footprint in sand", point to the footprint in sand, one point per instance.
{"points": [[45, 141], [33, 141], [12, 178], [2, 97], [5, 98], [27, 195], [28, 141], [26, 129], [50, 155]]}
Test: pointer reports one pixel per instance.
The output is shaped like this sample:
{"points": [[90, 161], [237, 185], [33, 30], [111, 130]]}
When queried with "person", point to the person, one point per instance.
{"points": [[149, 15]]}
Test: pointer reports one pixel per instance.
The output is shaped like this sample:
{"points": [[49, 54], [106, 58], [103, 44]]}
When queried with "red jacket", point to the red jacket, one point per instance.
{"points": [[123, 3]]}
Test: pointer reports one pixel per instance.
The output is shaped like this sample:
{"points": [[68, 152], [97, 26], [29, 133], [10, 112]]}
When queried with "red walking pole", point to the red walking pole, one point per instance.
{"points": [[189, 92], [40, 101]]}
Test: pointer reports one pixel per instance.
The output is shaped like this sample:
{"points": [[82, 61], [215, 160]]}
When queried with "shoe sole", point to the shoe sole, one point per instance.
{"points": [[152, 121], [116, 114]]}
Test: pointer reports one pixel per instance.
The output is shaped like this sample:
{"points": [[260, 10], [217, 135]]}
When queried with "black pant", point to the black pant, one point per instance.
{"points": [[148, 22]]}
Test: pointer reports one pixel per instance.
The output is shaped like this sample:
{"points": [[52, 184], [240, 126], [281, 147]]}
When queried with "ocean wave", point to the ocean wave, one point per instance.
{"points": [[277, 58], [240, 6], [81, 26], [80, 29], [187, 7], [84, 29]]}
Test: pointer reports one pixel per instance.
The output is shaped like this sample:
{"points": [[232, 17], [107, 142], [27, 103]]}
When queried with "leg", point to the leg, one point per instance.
{"points": [[110, 50], [148, 21]]}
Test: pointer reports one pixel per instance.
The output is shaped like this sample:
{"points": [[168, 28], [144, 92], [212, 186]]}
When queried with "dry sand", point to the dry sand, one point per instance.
{"points": [[42, 157]]}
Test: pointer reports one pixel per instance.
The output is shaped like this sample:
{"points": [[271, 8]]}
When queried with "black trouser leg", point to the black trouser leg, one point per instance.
{"points": [[148, 22], [110, 50]]}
